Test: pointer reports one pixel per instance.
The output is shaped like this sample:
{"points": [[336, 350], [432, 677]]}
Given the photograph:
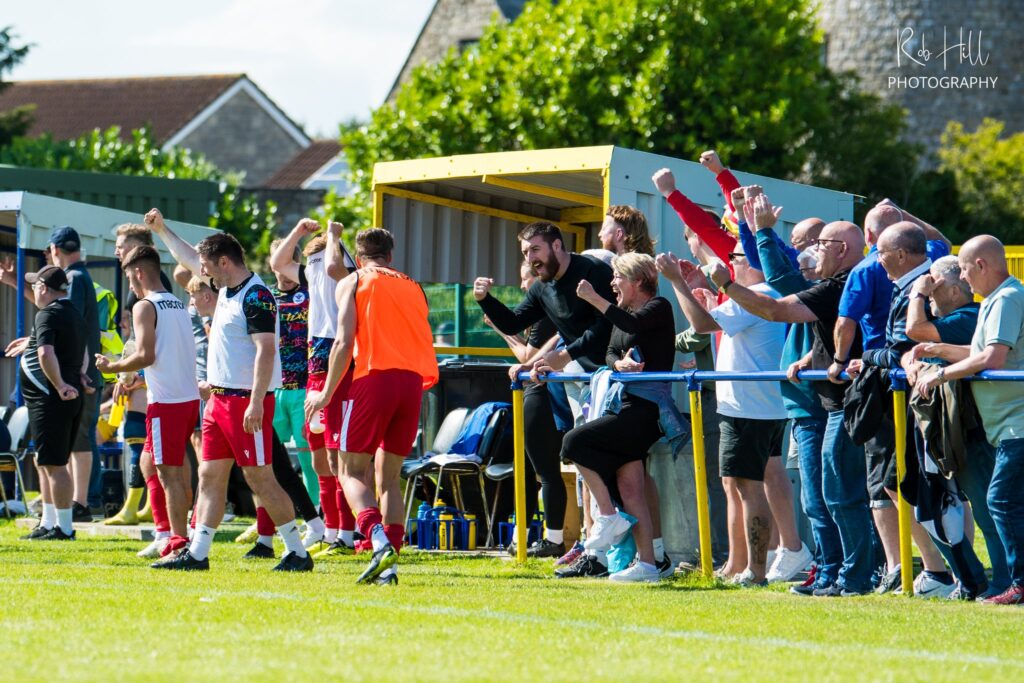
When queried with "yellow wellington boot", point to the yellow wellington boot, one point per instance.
{"points": [[128, 514]]}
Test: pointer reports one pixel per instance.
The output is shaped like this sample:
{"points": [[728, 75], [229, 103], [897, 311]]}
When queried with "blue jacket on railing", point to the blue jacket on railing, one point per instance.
{"points": [[801, 400], [673, 425]]}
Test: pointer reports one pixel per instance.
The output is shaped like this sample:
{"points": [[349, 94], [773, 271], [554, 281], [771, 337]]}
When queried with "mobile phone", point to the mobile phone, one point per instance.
{"points": [[635, 354]]}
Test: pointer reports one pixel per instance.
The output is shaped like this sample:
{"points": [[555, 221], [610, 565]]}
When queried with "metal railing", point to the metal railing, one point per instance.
{"points": [[693, 379]]}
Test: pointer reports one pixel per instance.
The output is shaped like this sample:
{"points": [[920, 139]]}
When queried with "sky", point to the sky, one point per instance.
{"points": [[321, 61]]}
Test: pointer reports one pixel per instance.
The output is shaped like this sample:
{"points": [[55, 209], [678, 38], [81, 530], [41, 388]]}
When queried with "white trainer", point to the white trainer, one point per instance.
{"points": [[154, 549], [789, 563], [638, 572], [927, 586], [311, 538], [606, 531]]}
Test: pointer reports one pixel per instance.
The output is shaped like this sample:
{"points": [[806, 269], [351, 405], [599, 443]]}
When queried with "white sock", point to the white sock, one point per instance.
{"points": [[330, 535], [378, 537], [49, 519], [659, 549], [292, 539], [347, 536], [266, 540], [64, 520], [601, 556], [161, 535], [316, 527], [202, 539], [648, 567], [554, 536], [191, 532]]}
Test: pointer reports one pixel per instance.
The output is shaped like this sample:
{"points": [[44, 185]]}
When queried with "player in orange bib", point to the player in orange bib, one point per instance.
{"points": [[382, 320]]}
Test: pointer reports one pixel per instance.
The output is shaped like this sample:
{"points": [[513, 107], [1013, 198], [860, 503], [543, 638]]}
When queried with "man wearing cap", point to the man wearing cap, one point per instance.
{"points": [[65, 251], [53, 365]]}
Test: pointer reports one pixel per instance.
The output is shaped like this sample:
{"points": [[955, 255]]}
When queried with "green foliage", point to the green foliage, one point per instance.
{"points": [[104, 151], [672, 77], [988, 171], [16, 121]]}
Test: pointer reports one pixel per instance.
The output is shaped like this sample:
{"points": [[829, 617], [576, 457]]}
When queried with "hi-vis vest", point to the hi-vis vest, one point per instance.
{"points": [[111, 345]]}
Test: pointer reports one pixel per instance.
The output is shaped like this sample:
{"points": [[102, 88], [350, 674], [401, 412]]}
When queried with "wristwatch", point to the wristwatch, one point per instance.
{"points": [[725, 285], [941, 374], [838, 361]]}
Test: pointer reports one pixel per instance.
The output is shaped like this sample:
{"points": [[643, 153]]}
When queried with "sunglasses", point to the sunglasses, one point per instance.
{"points": [[736, 257]]}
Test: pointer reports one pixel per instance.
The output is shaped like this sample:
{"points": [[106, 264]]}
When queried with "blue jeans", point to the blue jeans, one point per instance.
{"points": [[845, 488], [808, 434], [1006, 504], [974, 481]]}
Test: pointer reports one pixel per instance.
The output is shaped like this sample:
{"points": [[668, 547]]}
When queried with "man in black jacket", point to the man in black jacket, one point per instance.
{"points": [[585, 335]]}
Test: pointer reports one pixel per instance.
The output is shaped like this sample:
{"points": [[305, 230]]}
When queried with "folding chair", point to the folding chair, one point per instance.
{"points": [[11, 460]]}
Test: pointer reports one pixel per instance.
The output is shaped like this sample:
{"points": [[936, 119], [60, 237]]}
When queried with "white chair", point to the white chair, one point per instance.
{"points": [[11, 460]]}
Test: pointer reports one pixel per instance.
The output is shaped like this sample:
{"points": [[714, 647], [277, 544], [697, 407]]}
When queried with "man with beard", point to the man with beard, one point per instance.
{"points": [[585, 333]]}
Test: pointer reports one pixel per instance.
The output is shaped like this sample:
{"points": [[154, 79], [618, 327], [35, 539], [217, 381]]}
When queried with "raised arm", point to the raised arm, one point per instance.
{"points": [[919, 327], [681, 274], [334, 260], [282, 259], [719, 241], [723, 176], [183, 252], [930, 231], [343, 347], [528, 312], [785, 310]]}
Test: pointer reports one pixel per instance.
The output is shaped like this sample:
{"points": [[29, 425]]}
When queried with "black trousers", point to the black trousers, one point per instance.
{"points": [[543, 444], [291, 482]]}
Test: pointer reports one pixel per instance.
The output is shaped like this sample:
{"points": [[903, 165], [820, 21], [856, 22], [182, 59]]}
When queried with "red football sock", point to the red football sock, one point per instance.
{"points": [[329, 501], [395, 534], [264, 525], [158, 504], [367, 519], [346, 518]]}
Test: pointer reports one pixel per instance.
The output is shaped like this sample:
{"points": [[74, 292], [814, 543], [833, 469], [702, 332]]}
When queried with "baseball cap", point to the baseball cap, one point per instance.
{"points": [[66, 238], [51, 276]]}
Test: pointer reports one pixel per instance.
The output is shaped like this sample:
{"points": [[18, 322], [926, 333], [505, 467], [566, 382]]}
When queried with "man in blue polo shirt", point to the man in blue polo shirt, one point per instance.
{"points": [[866, 301]]}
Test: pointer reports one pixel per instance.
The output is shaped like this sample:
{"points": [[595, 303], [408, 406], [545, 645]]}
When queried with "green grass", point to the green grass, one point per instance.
{"points": [[91, 610]]}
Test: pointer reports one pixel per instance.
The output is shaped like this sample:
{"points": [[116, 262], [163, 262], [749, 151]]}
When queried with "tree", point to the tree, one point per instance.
{"points": [[16, 121], [103, 151], [673, 77], [987, 170]]}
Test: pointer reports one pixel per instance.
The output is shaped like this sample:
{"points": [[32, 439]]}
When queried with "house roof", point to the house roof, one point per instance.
{"points": [[300, 168], [69, 108]]}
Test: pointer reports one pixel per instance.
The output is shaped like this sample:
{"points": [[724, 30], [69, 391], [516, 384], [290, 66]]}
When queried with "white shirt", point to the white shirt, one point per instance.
{"points": [[749, 344], [172, 376]]}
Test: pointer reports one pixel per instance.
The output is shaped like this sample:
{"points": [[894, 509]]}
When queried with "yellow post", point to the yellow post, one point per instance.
{"points": [[899, 402], [519, 473], [700, 481]]}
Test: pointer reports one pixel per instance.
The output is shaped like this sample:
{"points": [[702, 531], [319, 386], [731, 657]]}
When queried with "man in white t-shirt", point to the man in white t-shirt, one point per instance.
{"points": [[165, 348], [751, 415]]}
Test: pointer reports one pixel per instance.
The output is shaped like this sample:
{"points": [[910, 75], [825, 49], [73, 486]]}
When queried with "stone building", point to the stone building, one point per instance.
{"points": [[881, 40]]}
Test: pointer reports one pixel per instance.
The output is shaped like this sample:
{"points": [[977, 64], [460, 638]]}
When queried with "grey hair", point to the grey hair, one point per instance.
{"points": [[948, 268]]}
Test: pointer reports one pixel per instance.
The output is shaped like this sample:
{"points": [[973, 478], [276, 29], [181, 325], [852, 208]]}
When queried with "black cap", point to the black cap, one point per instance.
{"points": [[51, 276], [66, 238]]}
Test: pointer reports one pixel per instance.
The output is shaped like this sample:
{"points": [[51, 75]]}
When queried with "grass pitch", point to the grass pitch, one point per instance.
{"points": [[90, 610]]}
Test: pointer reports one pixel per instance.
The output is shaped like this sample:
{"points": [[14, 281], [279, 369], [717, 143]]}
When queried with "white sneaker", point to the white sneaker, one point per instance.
{"points": [[771, 557], [925, 586], [637, 572], [789, 563], [154, 549], [310, 539], [606, 531]]}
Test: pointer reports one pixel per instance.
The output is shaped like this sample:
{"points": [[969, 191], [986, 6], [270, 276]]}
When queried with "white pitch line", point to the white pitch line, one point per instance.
{"points": [[812, 647]]}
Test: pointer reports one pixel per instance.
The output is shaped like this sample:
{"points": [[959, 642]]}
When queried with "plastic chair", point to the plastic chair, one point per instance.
{"points": [[11, 460], [446, 435]]}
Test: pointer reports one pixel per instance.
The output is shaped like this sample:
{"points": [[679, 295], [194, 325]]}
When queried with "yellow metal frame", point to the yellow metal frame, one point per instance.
{"points": [[700, 481], [519, 473], [528, 162], [473, 351], [542, 190], [379, 190], [899, 401]]}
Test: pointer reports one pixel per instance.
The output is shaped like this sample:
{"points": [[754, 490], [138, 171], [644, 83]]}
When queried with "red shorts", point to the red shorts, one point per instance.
{"points": [[224, 437], [331, 436], [169, 427], [383, 411]]}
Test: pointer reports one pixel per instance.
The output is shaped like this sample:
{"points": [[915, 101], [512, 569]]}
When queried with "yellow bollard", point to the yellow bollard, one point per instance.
{"points": [[899, 402], [701, 483], [519, 473]]}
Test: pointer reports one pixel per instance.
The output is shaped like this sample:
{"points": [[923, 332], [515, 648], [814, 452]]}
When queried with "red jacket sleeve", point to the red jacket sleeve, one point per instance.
{"points": [[727, 181], [719, 241]]}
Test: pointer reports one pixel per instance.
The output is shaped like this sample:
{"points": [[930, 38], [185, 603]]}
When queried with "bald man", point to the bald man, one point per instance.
{"points": [[846, 567], [998, 344]]}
